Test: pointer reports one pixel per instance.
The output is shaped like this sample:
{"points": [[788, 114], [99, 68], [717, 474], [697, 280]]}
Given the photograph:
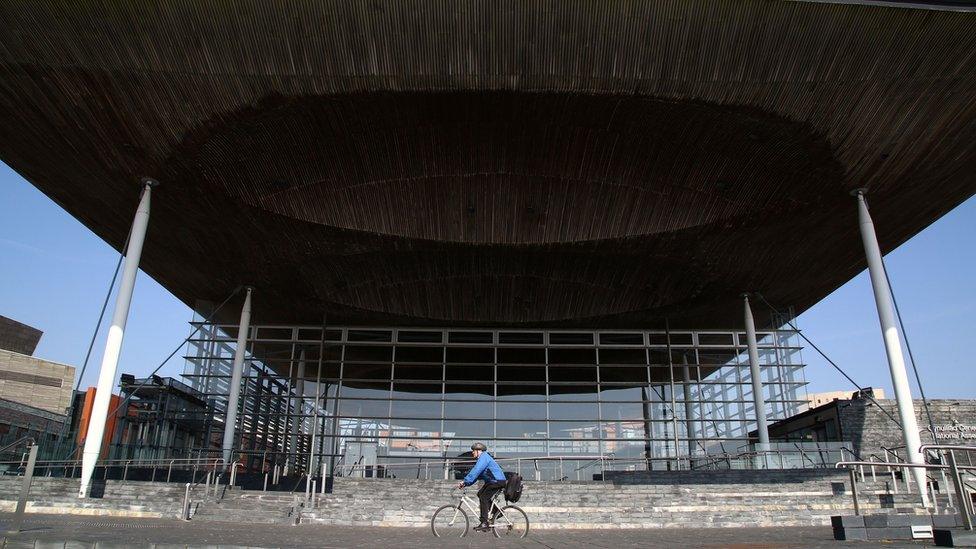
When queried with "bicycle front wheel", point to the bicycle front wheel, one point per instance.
{"points": [[450, 521], [511, 522]]}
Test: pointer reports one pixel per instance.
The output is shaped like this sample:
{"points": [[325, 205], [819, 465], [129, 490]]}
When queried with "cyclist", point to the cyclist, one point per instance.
{"points": [[486, 469]]}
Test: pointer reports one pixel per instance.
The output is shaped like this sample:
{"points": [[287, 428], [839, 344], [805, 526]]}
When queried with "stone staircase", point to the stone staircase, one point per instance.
{"points": [[625, 500], [120, 498], [668, 500], [248, 506]]}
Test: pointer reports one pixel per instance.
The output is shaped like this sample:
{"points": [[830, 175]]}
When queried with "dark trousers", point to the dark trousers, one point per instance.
{"points": [[485, 495]]}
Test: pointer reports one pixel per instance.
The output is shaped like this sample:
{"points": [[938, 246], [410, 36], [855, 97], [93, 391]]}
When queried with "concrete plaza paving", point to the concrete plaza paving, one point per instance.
{"points": [[68, 531]]}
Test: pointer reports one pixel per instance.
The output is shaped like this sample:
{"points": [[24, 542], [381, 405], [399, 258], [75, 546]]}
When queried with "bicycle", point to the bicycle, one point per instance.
{"points": [[452, 520]]}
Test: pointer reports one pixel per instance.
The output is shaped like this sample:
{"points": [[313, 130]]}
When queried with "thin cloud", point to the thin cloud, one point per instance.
{"points": [[47, 254]]}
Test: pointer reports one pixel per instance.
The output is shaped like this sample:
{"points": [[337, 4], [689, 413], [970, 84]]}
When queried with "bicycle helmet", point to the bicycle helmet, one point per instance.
{"points": [[479, 446]]}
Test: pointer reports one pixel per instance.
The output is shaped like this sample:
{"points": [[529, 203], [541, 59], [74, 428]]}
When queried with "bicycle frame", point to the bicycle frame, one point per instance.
{"points": [[493, 512]]}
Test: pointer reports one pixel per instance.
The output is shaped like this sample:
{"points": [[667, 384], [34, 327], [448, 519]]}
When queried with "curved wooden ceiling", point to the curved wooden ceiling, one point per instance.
{"points": [[539, 163]]}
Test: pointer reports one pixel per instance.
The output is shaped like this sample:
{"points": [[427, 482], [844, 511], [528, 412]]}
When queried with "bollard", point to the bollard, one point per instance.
{"points": [[186, 503], [265, 489]]}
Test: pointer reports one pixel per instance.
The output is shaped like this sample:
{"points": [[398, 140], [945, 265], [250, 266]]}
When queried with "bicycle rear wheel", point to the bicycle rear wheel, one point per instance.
{"points": [[450, 521], [511, 522]]}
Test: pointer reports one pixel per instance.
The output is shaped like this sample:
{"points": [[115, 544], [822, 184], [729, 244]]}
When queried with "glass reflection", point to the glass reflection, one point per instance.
{"points": [[574, 410], [417, 391], [521, 410], [469, 410], [611, 411], [469, 428], [521, 429], [364, 408], [416, 409], [458, 391]]}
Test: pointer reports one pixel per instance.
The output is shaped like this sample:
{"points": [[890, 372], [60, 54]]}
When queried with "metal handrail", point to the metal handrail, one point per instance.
{"points": [[950, 449], [964, 448], [185, 507], [804, 454], [601, 459], [952, 467], [589, 459], [18, 441], [136, 462], [704, 461]]}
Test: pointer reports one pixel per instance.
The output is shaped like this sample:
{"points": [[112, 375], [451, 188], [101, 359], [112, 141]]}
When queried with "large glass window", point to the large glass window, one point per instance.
{"points": [[413, 394], [469, 428], [483, 409], [416, 409]]}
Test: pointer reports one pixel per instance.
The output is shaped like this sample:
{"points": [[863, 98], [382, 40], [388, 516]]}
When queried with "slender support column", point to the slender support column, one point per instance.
{"points": [[758, 399], [689, 406], [230, 423], [113, 343], [892, 341], [299, 403]]}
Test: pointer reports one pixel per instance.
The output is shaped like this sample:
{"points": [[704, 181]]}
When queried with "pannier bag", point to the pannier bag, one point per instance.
{"points": [[513, 487]]}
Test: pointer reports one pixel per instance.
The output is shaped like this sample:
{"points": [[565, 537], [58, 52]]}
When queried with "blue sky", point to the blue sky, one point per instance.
{"points": [[55, 272]]}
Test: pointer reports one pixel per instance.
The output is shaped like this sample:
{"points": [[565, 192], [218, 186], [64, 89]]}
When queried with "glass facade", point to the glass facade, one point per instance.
{"points": [[350, 397]]}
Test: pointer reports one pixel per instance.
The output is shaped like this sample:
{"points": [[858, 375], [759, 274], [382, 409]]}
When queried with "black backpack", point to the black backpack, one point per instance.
{"points": [[513, 487]]}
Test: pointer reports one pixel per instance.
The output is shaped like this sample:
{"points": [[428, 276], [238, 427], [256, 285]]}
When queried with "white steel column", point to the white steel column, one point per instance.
{"points": [[758, 399], [113, 343], [230, 423], [889, 331]]}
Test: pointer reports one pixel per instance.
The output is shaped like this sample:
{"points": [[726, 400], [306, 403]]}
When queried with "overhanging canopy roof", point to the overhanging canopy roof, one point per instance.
{"points": [[543, 163]]}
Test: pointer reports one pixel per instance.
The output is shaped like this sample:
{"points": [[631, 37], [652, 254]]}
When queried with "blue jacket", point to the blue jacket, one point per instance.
{"points": [[486, 469]]}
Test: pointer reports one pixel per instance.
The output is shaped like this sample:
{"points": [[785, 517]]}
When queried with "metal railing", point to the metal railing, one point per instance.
{"points": [[575, 467], [28, 439], [963, 491], [210, 483], [555, 467], [69, 468]]}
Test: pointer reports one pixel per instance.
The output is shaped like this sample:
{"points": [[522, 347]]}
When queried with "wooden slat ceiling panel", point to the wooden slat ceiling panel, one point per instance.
{"points": [[532, 162]]}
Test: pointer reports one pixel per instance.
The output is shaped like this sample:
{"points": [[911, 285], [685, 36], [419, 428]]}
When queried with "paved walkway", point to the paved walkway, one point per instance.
{"points": [[50, 531]]}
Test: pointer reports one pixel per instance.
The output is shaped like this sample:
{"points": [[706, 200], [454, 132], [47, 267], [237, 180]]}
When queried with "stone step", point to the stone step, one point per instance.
{"points": [[696, 500]]}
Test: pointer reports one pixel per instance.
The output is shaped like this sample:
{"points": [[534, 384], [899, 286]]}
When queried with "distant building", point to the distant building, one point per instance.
{"points": [[29, 380], [819, 399], [34, 393], [18, 337], [868, 429]]}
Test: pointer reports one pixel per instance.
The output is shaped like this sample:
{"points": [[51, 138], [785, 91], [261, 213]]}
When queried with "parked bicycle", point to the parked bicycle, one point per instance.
{"points": [[451, 521]]}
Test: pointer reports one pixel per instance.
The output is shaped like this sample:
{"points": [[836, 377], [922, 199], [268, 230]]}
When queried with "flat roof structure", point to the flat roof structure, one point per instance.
{"points": [[496, 163]]}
